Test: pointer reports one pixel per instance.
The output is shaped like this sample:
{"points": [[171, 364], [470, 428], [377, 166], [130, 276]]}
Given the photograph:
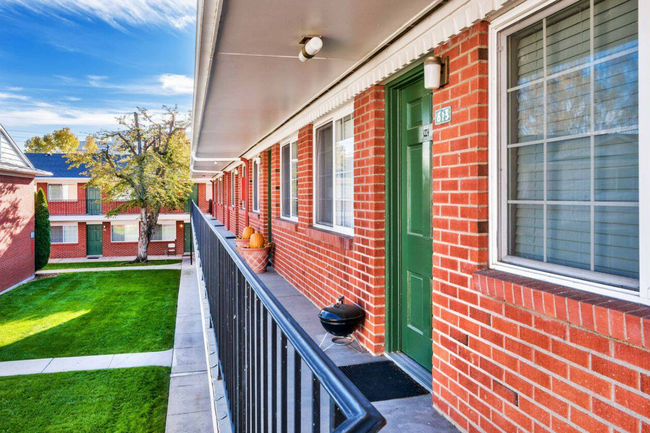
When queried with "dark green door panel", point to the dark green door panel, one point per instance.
{"points": [[93, 201], [194, 196], [94, 240], [188, 237], [410, 249]]}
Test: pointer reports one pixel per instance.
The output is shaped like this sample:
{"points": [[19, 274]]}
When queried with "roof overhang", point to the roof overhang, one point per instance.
{"points": [[251, 91]]}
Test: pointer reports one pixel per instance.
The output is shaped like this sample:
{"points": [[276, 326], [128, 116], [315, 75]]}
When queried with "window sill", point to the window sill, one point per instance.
{"points": [[254, 215], [288, 225], [334, 239], [615, 318]]}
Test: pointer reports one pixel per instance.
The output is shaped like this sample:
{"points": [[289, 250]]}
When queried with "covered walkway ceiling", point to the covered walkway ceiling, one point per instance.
{"points": [[248, 77]]}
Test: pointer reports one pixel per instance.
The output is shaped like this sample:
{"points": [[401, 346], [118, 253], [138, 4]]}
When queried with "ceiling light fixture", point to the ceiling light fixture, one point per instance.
{"points": [[436, 72], [311, 45]]}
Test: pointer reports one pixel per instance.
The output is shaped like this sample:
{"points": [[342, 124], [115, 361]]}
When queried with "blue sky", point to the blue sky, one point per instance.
{"points": [[80, 63]]}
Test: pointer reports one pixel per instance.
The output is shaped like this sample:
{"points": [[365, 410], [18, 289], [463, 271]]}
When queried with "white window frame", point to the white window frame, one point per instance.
{"points": [[208, 191], [333, 118], [288, 142], [497, 167], [75, 230], [69, 191], [232, 189], [137, 224], [256, 185], [165, 224]]}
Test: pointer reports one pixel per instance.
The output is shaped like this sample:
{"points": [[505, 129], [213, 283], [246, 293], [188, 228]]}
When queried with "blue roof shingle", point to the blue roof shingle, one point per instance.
{"points": [[55, 163]]}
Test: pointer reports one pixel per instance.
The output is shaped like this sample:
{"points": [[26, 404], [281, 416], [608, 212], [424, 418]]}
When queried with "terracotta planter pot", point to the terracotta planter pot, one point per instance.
{"points": [[241, 243], [257, 258]]}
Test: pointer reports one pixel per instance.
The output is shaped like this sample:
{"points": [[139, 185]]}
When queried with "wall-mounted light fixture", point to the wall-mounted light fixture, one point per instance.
{"points": [[311, 45], [235, 172], [436, 72]]}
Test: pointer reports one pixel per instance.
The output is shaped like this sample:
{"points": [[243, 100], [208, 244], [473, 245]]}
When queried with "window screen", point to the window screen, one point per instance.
{"points": [[124, 232], [164, 232], [64, 234], [572, 139], [289, 180], [324, 175]]}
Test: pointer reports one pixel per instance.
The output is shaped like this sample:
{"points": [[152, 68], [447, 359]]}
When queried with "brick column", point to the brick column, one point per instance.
{"points": [[369, 210], [306, 176]]}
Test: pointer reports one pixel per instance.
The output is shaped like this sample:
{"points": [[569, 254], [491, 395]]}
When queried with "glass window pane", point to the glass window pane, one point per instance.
{"points": [[567, 38], [55, 192], [615, 26], [568, 109], [324, 183], [526, 112], [56, 234], [526, 172], [568, 236], [569, 170], [617, 240], [117, 233], [294, 179], [344, 182], [616, 167], [526, 58], [526, 237], [616, 93], [286, 176]]}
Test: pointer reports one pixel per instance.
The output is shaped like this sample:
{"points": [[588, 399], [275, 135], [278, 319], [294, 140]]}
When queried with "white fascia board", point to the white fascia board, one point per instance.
{"points": [[63, 179]]}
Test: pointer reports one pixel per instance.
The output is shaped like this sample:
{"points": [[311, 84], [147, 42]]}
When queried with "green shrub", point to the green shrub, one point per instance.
{"points": [[42, 230]]}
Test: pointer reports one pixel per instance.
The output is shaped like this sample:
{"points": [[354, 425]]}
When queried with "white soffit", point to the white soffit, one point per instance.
{"points": [[255, 123]]}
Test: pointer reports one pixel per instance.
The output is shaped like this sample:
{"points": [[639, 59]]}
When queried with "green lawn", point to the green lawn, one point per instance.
{"points": [[129, 400], [97, 264], [89, 313]]}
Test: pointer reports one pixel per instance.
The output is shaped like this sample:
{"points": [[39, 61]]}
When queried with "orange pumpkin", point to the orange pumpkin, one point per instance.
{"points": [[248, 231], [257, 240]]}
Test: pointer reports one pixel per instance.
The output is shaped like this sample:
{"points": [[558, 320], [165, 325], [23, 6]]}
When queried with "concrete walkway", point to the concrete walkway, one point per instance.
{"points": [[111, 259], [83, 363], [119, 268], [189, 409]]}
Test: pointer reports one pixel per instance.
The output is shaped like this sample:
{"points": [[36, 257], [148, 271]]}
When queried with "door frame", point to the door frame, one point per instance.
{"points": [[393, 204]]}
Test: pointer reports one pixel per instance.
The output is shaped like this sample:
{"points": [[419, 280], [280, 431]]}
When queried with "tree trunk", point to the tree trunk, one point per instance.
{"points": [[147, 225]]}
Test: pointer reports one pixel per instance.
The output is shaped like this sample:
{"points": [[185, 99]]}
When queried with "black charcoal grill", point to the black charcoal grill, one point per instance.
{"points": [[341, 320]]}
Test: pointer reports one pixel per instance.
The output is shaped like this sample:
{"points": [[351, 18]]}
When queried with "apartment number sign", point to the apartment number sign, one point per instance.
{"points": [[443, 115]]}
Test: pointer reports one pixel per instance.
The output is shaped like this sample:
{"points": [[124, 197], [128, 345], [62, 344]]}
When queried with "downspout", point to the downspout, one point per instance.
{"points": [[245, 188]]}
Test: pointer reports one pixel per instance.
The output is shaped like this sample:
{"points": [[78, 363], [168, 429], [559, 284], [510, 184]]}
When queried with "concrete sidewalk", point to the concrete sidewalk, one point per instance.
{"points": [[189, 408], [83, 363], [118, 268]]}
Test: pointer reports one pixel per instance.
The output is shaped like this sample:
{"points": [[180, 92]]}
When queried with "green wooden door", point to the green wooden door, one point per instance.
{"points": [[194, 196], [188, 237], [93, 201], [413, 250], [94, 240]]}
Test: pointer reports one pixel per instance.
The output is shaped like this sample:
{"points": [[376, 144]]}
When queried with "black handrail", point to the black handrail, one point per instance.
{"points": [[240, 306]]}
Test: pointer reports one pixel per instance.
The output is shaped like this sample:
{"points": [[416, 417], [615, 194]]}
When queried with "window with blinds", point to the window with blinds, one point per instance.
{"points": [[334, 162], [289, 180], [572, 150]]}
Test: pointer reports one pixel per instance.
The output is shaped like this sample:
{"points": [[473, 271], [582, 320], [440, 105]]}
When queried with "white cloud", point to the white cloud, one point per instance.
{"points": [[72, 98], [96, 77], [60, 116], [173, 13], [15, 89], [4, 95], [177, 84]]}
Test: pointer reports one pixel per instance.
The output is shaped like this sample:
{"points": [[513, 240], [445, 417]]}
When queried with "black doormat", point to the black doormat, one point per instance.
{"points": [[383, 380]]}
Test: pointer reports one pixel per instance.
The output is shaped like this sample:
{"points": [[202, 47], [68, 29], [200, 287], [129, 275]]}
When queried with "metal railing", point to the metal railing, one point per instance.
{"points": [[262, 350]]}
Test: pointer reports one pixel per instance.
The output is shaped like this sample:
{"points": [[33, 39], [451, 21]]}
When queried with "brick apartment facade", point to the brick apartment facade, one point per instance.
{"points": [[516, 346], [16, 213], [75, 211]]}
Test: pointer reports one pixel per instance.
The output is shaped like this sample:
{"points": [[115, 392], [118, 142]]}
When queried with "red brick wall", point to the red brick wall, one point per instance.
{"points": [[68, 251], [16, 227], [325, 265]]}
